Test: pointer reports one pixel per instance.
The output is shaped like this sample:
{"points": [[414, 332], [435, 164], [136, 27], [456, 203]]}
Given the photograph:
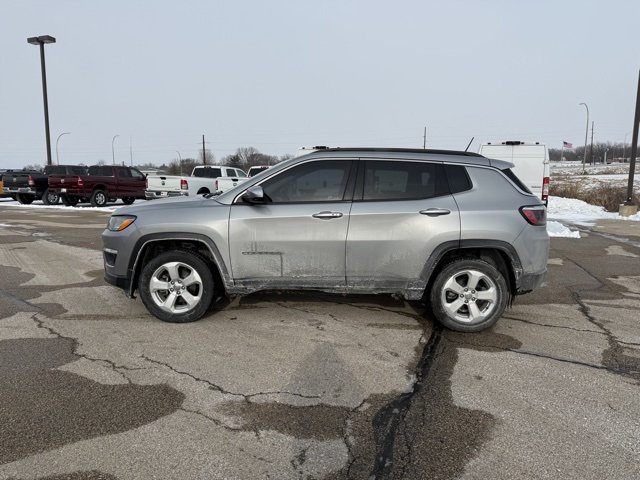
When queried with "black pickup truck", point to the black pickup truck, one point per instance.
{"points": [[29, 185]]}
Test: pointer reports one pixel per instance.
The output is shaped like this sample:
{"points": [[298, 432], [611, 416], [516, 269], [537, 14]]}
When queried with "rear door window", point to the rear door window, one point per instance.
{"points": [[400, 180]]}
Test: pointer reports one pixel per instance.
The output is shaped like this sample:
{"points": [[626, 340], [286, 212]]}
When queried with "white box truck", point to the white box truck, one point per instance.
{"points": [[531, 160]]}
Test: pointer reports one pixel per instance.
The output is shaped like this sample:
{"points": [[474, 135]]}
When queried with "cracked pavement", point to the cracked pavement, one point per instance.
{"points": [[313, 386]]}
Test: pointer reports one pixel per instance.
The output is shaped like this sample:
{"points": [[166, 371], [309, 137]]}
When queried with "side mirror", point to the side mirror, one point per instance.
{"points": [[254, 195]]}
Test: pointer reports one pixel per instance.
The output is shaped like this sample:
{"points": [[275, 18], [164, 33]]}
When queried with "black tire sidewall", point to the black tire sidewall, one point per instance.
{"points": [[24, 199], [69, 201], [447, 272], [197, 263]]}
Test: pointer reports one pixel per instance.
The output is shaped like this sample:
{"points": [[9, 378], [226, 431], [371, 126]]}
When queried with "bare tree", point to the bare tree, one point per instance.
{"points": [[208, 159]]}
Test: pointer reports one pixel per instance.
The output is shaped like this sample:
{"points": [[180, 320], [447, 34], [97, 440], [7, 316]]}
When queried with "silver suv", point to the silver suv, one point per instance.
{"points": [[455, 229]]}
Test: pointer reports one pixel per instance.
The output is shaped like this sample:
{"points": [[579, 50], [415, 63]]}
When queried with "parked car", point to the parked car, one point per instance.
{"points": [[30, 185], [101, 184], [455, 229], [203, 179]]}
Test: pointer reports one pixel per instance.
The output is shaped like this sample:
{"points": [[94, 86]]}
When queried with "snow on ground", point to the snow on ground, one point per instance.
{"points": [[561, 211]]}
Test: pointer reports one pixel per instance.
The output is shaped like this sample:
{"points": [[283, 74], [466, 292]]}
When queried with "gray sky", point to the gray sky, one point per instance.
{"points": [[277, 75]]}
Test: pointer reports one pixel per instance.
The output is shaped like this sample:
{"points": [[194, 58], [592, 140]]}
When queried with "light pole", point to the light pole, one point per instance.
{"points": [[58, 160], [624, 159], [180, 156], [42, 40], [586, 136], [113, 155]]}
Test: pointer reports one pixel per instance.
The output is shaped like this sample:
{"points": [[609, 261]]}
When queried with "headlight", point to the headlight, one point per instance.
{"points": [[118, 223]]}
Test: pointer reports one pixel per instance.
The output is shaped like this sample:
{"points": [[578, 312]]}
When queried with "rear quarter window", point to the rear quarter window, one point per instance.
{"points": [[458, 178], [514, 178]]}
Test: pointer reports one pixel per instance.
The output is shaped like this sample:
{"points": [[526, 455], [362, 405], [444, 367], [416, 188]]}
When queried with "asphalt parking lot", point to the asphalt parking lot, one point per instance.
{"points": [[312, 386]]}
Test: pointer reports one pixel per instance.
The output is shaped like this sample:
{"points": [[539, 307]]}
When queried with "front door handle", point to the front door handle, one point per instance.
{"points": [[327, 215], [435, 212]]}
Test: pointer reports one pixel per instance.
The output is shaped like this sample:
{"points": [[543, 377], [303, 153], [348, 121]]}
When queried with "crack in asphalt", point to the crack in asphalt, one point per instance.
{"points": [[75, 344], [218, 388], [387, 421]]}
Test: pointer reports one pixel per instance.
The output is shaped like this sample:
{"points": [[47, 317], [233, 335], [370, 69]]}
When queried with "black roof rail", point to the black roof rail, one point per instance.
{"points": [[401, 150]]}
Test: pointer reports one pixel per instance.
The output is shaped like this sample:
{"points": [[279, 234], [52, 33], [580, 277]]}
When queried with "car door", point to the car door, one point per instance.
{"points": [[297, 238], [402, 211]]}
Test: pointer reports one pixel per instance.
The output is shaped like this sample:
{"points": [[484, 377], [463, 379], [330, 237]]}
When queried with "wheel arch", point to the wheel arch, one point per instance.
{"points": [[500, 254], [152, 245]]}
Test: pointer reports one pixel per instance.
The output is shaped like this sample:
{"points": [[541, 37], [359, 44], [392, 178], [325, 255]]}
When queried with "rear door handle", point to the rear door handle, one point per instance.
{"points": [[435, 212], [327, 215]]}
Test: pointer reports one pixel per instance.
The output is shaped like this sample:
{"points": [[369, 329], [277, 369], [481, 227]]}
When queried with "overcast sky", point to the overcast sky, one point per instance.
{"points": [[277, 75]]}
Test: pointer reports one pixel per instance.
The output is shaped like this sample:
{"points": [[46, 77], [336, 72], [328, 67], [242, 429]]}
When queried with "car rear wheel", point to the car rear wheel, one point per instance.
{"points": [[469, 295], [177, 286], [24, 199], [49, 198], [128, 200], [69, 201], [99, 198]]}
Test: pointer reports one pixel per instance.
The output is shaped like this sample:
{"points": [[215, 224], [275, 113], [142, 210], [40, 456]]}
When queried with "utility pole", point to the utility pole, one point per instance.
{"points": [[424, 143], [629, 207], [204, 153], [130, 150]]}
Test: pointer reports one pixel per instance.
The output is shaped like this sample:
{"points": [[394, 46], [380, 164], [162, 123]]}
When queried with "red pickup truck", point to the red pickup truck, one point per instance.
{"points": [[101, 184]]}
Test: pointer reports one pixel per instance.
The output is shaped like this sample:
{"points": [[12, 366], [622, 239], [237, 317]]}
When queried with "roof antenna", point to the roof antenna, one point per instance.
{"points": [[469, 144]]}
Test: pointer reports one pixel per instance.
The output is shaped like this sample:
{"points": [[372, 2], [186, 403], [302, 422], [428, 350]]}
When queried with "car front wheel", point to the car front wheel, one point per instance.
{"points": [[177, 286], [469, 295]]}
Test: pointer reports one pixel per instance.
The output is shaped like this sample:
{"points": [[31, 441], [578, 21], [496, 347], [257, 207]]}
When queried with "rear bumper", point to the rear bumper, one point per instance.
{"points": [[150, 195], [15, 190]]}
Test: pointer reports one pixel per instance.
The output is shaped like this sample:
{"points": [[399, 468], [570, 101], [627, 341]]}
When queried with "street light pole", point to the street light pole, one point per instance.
{"points": [[113, 155], [57, 159], [586, 136], [180, 156], [41, 41]]}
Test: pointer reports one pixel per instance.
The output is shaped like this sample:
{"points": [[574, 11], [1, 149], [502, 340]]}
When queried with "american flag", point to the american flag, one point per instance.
{"points": [[567, 144]]}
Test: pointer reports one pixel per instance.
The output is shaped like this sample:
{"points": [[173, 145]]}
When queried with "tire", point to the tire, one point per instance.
{"points": [[24, 199], [195, 294], [128, 200], [469, 295], [99, 198], [69, 201], [49, 198]]}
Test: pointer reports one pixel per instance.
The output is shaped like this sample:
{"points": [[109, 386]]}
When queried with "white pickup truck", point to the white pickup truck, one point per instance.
{"points": [[203, 179]]}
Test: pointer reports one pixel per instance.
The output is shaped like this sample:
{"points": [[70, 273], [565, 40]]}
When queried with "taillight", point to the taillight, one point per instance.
{"points": [[183, 184], [216, 185], [535, 215], [30, 181], [146, 183], [545, 190]]}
